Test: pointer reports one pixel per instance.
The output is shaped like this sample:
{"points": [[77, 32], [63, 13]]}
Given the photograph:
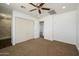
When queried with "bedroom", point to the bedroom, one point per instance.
{"points": [[60, 29]]}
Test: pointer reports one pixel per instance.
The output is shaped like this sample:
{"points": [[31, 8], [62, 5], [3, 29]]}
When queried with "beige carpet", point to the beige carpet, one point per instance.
{"points": [[40, 47]]}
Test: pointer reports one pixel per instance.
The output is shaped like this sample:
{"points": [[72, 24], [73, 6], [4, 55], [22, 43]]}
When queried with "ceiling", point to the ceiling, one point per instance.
{"points": [[53, 6]]}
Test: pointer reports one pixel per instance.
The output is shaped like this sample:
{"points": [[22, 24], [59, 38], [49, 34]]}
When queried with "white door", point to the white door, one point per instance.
{"points": [[24, 29]]}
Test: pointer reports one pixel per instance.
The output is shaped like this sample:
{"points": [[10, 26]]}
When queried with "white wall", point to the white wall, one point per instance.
{"points": [[48, 27], [65, 27], [61, 27], [24, 29], [36, 29], [77, 41], [23, 15]]}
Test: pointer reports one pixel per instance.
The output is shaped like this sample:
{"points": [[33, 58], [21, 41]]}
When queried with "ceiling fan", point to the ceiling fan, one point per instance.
{"points": [[38, 7]]}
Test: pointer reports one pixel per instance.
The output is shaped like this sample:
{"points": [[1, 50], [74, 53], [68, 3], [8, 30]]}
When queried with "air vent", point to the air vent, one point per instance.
{"points": [[22, 6], [52, 12]]}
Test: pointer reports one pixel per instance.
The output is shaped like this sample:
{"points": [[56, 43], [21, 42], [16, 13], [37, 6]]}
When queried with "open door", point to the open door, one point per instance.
{"points": [[41, 29]]}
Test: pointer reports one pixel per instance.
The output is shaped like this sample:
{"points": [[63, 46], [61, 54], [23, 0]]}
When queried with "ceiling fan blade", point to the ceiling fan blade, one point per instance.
{"points": [[39, 11], [41, 4], [32, 10], [32, 4], [45, 8]]}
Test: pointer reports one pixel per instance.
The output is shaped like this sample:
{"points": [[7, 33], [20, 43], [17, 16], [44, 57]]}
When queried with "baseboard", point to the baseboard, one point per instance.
{"points": [[3, 38], [65, 42]]}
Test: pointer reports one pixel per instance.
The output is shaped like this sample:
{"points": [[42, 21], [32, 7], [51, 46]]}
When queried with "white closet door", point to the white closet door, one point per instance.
{"points": [[24, 29]]}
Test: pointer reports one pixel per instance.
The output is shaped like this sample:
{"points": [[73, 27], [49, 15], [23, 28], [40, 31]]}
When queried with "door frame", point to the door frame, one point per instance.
{"points": [[13, 34]]}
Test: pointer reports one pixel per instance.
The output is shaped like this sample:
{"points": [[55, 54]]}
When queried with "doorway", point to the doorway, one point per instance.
{"points": [[41, 29]]}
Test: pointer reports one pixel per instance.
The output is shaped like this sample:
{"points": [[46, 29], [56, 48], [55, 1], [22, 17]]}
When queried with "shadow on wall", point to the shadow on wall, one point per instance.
{"points": [[5, 28]]}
